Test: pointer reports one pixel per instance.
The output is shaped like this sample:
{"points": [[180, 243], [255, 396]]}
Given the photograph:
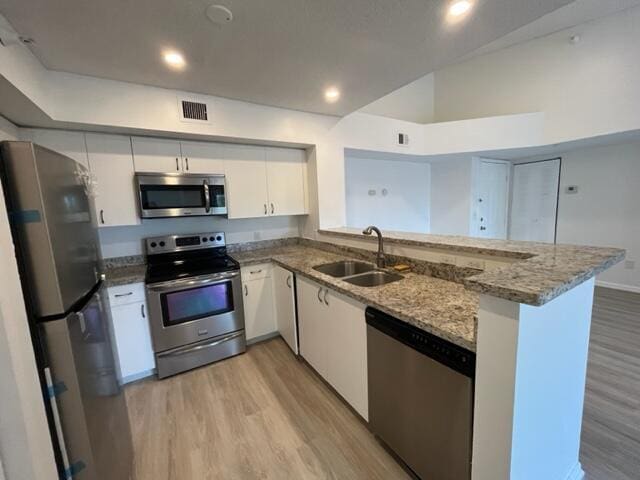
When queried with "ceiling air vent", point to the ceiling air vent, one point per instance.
{"points": [[194, 111]]}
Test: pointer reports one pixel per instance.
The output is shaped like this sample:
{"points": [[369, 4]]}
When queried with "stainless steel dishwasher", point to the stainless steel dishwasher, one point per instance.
{"points": [[420, 397]]}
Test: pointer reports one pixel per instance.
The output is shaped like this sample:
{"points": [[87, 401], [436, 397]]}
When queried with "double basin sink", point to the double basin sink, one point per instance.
{"points": [[358, 273]]}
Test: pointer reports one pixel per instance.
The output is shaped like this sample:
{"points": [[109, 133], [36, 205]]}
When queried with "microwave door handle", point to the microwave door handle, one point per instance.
{"points": [[207, 197]]}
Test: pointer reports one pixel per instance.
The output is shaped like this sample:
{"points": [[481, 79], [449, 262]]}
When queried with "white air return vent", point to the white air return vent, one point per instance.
{"points": [[194, 111], [403, 139]]}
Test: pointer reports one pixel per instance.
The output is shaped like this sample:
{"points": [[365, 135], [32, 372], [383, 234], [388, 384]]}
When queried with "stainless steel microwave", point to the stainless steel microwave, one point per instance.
{"points": [[180, 195]]}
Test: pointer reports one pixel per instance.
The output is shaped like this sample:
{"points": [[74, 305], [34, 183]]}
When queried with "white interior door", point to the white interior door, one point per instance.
{"points": [[534, 203], [492, 199]]}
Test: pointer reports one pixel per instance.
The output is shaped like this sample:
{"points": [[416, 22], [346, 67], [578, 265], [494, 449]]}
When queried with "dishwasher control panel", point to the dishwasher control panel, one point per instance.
{"points": [[447, 353]]}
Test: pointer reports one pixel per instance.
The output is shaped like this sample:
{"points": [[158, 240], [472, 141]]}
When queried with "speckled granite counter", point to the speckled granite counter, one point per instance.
{"points": [[540, 273], [124, 274], [443, 308]]}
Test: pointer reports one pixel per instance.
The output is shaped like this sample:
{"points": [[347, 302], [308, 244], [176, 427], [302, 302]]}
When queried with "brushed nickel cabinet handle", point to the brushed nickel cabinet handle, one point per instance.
{"points": [[272, 209], [289, 282], [177, 165], [319, 292], [102, 216], [246, 291], [326, 292], [117, 295], [142, 310], [253, 272], [186, 161], [265, 208]]}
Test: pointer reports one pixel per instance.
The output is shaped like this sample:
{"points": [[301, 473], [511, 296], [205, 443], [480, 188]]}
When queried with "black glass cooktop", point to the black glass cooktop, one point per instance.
{"points": [[173, 266]]}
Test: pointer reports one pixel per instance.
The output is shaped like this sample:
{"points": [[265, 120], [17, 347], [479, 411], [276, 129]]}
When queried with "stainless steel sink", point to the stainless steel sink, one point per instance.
{"points": [[344, 268], [373, 279]]}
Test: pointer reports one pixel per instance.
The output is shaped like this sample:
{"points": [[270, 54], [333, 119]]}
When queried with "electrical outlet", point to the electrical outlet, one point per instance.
{"points": [[629, 264]]}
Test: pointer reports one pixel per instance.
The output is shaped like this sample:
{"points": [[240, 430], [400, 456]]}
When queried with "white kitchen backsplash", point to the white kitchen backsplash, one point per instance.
{"points": [[122, 241]]}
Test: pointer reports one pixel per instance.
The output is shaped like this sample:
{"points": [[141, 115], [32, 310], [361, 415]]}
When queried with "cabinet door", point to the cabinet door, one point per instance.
{"points": [[285, 306], [347, 354], [285, 181], [156, 155], [311, 315], [246, 178], [71, 144], [258, 308], [201, 157], [111, 165], [133, 340]]}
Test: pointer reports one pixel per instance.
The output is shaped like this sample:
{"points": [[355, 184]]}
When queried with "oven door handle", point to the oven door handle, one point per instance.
{"points": [[207, 196], [190, 349], [194, 282]]}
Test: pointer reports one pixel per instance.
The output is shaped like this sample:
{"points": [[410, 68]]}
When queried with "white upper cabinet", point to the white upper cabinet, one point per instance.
{"points": [[111, 165], [201, 157], [286, 181], [71, 144], [246, 179], [156, 155]]}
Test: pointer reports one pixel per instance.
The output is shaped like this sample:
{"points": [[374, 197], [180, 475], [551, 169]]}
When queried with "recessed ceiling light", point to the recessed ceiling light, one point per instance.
{"points": [[331, 94], [460, 8], [174, 59]]}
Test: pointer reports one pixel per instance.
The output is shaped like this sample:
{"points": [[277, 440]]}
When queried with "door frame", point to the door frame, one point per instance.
{"points": [[474, 229]]}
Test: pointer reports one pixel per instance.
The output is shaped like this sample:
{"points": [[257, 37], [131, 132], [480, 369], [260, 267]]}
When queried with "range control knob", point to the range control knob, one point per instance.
{"points": [[153, 244], [162, 244], [204, 239], [213, 239], [219, 238]]}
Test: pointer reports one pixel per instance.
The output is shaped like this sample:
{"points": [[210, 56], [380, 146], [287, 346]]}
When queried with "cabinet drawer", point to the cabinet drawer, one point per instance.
{"points": [[125, 294], [254, 272]]}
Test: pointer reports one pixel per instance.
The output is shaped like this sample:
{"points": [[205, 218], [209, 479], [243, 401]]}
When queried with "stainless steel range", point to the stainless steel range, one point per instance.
{"points": [[194, 294]]}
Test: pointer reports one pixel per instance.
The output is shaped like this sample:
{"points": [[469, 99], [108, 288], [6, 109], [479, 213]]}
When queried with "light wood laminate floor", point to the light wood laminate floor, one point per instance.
{"points": [[611, 422], [264, 415], [261, 415]]}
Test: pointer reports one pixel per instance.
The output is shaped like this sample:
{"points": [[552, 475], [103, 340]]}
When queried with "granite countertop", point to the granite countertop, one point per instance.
{"points": [[443, 308], [540, 272], [124, 274]]}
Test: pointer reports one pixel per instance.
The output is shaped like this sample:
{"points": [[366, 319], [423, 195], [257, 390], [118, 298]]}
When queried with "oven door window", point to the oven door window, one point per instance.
{"points": [[159, 197], [195, 303], [216, 192]]}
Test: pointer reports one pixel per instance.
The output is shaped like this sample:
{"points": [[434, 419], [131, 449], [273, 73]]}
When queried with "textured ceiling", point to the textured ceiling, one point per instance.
{"points": [[275, 52]]}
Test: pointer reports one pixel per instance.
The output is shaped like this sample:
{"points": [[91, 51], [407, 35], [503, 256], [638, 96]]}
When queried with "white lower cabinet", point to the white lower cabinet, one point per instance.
{"points": [[284, 305], [333, 339], [131, 332], [257, 290]]}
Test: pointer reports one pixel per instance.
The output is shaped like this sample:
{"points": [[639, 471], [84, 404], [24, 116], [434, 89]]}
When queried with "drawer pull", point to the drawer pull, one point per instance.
{"points": [[326, 292], [253, 272], [142, 311], [118, 295]]}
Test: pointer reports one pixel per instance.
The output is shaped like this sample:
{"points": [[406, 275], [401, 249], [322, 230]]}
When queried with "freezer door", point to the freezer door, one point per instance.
{"points": [[86, 394], [50, 213]]}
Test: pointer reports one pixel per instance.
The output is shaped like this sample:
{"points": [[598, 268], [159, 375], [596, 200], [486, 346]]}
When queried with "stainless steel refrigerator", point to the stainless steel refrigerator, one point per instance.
{"points": [[58, 257]]}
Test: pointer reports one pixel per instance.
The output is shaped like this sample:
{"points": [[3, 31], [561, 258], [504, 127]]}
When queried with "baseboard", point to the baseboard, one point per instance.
{"points": [[576, 473], [262, 338], [138, 376], [618, 286]]}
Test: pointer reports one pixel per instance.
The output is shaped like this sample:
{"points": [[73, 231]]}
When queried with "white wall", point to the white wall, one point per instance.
{"points": [[405, 207], [413, 102], [584, 90], [25, 447], [121, 241], [606, 209], [451, 187]]}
